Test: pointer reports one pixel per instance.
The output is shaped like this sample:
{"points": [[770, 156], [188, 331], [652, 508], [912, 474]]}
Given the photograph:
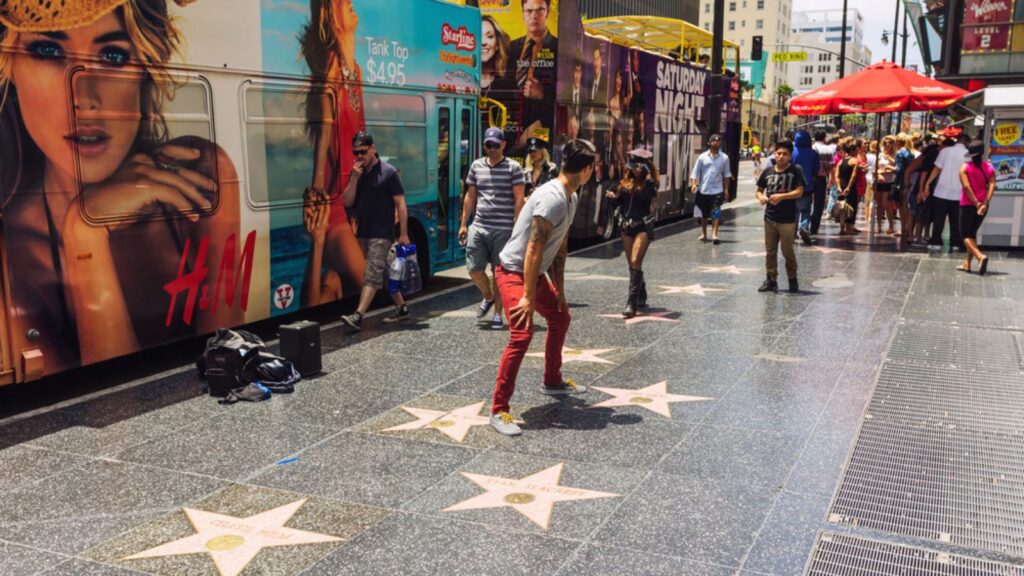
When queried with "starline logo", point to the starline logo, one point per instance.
{"points": [[462, 38], [987, 7]]}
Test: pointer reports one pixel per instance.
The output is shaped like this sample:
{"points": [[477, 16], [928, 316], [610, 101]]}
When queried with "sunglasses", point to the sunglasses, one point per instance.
{"points": [[360, 152], [491, 145]]}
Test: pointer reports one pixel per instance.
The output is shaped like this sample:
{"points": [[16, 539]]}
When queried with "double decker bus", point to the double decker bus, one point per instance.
{"points": [[170, 167]]}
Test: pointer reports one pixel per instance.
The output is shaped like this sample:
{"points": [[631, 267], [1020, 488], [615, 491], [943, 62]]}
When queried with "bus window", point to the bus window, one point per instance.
{"points": [[398, 123], [443, 176], [183, 117], [404, 147], [391, 107], [279, 140]]}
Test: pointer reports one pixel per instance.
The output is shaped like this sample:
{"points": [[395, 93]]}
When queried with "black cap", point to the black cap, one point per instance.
{"points": [[362, 139], [533, 144]]}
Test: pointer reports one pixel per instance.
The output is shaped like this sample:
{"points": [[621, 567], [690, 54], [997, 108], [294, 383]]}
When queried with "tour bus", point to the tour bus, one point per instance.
{"points": [[169, 168], [621, 82]]}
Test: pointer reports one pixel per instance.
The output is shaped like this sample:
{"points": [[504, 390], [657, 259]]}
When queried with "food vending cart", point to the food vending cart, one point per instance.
{"points": [[1002, 111]]}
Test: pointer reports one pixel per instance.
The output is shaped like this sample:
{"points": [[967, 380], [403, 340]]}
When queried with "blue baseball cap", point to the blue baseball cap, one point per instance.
{"points": [[495, 135]]}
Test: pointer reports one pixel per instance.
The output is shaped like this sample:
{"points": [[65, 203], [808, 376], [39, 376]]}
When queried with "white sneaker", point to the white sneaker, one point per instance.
{"points": [[934, 247], [505, 424]]}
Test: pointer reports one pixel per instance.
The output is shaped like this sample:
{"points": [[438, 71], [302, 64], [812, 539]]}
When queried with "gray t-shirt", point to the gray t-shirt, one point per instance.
{"points": [[549, 201], [495, 204]]}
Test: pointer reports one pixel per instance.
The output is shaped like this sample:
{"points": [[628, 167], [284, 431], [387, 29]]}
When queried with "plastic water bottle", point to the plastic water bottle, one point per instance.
{"points": [[412, 282], [397, 270], [717, 213]]}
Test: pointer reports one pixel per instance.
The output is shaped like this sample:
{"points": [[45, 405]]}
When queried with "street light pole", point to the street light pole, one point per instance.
{"points": [[714, 109], [903, 62], [842, 44], [895, 31], [838, 120]]}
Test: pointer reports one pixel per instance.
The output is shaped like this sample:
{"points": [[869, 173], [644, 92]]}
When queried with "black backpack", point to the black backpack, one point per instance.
{"points": [[235, 358]]}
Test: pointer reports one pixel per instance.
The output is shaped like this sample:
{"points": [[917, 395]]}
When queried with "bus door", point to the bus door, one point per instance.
{"points": [[455, 147]]}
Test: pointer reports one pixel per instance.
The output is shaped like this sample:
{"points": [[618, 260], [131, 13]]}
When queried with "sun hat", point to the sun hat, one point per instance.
{"points": [[53, 15]]}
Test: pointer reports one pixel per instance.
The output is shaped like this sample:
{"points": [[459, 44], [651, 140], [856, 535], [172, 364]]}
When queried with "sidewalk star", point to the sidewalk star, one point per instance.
{"points": [[573, 355], [233, 542], [695, 289], [654, 398], [454, 424], [651, 317], [724, 270], [534, 496]]}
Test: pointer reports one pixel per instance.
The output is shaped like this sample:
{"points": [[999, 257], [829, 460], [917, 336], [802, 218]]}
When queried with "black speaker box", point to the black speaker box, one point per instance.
{"points": [[300, 344]]}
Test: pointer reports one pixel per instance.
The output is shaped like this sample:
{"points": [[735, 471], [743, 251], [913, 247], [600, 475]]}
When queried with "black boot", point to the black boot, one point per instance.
{"points": [[641, 301], [634, 294]]}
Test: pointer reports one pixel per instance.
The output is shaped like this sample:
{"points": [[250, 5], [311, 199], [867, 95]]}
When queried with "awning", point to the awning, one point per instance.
{"points": [[670, 37]]}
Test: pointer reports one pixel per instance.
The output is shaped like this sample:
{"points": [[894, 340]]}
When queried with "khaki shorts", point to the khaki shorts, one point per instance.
{"points": [[376, 252]]}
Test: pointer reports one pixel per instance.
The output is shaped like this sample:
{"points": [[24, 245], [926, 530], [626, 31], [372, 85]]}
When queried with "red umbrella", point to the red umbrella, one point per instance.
{"points": [[879, 88]]}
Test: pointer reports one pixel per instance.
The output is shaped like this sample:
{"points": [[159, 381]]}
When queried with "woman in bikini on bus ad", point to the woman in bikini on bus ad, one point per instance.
{"points": [[329, 48], [103, 214]]}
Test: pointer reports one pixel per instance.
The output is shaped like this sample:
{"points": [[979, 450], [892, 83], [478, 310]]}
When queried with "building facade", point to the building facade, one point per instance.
{"points": [[745, 19], [982, 41], [681, 9], [819, 34]]}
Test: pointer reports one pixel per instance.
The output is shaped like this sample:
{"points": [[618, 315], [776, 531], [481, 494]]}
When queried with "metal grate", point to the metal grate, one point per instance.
{"points": [[963, 310], [843, 555], [941, 452], [952, 346]]}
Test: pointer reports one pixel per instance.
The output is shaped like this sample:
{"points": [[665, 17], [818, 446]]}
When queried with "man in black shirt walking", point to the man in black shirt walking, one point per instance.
{"points": [[375, 189], [778, 188]]}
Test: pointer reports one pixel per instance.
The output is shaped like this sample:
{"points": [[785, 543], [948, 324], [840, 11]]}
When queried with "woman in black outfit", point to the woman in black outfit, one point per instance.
{"points": [[847, 172], [633, 199]]}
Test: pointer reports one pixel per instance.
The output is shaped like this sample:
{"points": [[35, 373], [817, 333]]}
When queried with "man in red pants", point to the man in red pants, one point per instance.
{"points": [[539, 244]]}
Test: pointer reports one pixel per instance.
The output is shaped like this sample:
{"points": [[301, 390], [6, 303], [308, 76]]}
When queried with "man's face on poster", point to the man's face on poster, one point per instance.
{"points": [[535, 16], [597, 61], [573, 127], [577, 75]]}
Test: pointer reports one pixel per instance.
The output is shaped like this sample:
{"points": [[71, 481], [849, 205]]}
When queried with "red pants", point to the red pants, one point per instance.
{"points": [[510, 288]]}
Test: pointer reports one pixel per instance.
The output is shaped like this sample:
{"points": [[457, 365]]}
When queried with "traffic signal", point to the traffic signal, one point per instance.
{"points": [[756, 48]]}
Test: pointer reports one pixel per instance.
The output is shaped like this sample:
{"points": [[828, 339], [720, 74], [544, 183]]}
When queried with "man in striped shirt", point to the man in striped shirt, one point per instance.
{"points": [[494, 191]]}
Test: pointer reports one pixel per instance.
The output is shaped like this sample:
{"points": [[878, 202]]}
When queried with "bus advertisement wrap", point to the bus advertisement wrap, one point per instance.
{"points": [[136, 217], [519, 54], [163, 181]]}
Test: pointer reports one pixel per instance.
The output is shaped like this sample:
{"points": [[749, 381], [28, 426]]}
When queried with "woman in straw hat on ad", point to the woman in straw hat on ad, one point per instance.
{"points": [[102, 210]]}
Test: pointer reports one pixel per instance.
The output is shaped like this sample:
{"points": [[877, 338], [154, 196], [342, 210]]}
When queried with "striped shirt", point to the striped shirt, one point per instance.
{"points": [[495, 203]]}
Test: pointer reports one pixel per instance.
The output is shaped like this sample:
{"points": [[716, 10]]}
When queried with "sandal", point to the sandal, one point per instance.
{"points": [[984, 266], [964, 268]]}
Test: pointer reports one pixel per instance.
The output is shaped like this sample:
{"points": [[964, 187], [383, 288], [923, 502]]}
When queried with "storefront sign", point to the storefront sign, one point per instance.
{"points": [[1007, 154], [986, 25]]}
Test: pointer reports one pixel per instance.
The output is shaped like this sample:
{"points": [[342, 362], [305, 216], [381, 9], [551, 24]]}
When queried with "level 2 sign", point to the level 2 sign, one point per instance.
{"points": [[789, 56]]}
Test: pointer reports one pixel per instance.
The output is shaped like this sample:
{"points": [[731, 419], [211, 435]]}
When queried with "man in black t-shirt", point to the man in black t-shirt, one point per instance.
{"points": [[778, 188], [375, 193]]}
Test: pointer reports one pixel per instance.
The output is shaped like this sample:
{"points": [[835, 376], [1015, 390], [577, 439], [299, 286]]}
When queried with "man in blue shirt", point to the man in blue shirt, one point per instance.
{"points": [[710, 181], [808, 159]]}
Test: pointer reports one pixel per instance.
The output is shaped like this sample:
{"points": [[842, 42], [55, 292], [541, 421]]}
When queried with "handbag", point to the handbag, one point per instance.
{"points": [[841, 210]]}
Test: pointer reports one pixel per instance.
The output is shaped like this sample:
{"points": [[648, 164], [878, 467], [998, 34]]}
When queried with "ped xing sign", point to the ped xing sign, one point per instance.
{"points": [[789, 56]]}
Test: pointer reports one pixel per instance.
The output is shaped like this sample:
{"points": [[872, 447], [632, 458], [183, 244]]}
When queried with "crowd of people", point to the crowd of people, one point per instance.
{"points": [[908, 187], [516, 221]]}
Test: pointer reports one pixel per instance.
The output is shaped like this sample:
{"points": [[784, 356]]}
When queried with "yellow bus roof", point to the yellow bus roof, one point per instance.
{"points": [[667, 36]]}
